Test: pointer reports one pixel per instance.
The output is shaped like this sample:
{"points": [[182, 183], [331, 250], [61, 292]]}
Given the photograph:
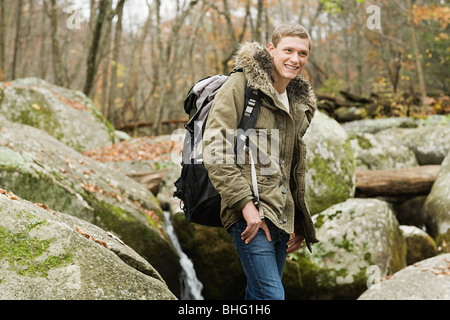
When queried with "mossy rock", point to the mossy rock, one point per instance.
{"points": [[354, 235], [430, 144], [419, 244], [373, 153], [41, 169], [330, 176], [65, 114], [424, 280], [437, 204], [48, 255]]}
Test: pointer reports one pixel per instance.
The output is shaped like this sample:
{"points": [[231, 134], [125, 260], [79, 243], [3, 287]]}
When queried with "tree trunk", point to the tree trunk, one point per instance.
{"points": [[113, 88], [2, 39], [420, 75], [92, 60], [397, 182], [58, 67], [167, 58], [17, 39], [258, 29], [132, 86], [231, 32]]}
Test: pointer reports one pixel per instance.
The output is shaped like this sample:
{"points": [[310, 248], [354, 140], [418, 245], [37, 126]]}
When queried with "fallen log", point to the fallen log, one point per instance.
{"points": [[151, 180], [353, 97], [397, 182]]}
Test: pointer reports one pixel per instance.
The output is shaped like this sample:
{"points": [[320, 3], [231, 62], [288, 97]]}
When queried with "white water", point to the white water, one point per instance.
{"points": [[191, 287]]}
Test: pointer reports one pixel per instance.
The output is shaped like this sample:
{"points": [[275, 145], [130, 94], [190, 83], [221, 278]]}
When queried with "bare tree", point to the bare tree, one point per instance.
{"points": [[258, 30], [420, 76], [165, 71], [17, 40], [117, 38], [231, 32], [60, 72], [2, 39], [136, 60], [94, 51]]}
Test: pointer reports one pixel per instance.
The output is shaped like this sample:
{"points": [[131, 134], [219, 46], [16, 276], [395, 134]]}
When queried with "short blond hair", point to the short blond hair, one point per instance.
{"points": [[290, 29]]}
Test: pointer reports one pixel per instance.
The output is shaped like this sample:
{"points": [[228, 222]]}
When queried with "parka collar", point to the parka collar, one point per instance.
{"points": [[257, 64]]}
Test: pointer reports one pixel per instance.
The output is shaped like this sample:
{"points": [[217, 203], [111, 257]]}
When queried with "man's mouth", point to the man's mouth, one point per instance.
{"points": [[291, 67]]}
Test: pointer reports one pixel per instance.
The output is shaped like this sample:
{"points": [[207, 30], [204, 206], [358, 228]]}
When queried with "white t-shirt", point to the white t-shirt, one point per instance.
{"points": [[283, 98]]}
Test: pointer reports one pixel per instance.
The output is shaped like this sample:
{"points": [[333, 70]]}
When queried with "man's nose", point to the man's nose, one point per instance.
{"points": [[295, 58]]}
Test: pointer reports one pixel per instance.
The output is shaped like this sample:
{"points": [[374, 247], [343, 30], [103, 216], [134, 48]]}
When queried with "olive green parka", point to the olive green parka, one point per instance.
{"points": [[280, 152]]}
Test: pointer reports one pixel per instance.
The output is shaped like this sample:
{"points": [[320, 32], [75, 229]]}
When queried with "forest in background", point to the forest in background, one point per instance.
{"points": [[138, 58]]}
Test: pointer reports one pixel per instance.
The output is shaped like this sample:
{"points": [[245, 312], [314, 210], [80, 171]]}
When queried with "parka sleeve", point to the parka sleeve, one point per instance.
{"points": [[218, 143]]}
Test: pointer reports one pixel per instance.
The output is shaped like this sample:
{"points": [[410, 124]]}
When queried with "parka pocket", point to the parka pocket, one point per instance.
{"points": [[272, 192]]}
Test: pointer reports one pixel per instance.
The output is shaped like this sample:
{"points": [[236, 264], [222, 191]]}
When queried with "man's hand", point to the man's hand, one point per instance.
{"points": [[295, 243], [254, 223]]}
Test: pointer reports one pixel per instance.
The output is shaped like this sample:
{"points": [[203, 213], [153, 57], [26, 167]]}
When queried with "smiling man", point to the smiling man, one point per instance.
{"points": [[264, 232]]}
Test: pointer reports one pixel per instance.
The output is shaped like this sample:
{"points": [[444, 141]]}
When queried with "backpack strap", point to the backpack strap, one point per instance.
{"points": [[252, 102], [248, 120], [251, 110]]}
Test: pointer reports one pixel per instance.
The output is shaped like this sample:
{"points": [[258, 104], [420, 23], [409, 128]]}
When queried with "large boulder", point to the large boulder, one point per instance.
{"points": [[65, 114], [41, 169], [375, 125], [50, 255], [420, 245], [330, 176], [426, 280], [373, 153], [430, 144], [355, 236], [437, 205]]}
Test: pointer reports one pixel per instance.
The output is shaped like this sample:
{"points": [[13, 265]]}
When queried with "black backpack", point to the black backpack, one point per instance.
{"points": [[200, 200]]}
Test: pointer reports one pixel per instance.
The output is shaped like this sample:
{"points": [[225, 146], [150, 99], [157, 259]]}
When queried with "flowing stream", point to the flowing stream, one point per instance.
{"points": [[191, 287]]}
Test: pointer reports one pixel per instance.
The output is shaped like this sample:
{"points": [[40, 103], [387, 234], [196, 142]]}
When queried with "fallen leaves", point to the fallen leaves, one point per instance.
{"points": [[69, 164], [12, 196], [92, 188], [9, 194], [43, 206], [88, 236], [46, 207], [144, 148], [150, 213], [77, 105], [439, 271]]}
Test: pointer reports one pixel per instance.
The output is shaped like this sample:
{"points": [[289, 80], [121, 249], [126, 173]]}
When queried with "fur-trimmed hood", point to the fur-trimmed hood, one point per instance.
{"points": [[257, 64]]}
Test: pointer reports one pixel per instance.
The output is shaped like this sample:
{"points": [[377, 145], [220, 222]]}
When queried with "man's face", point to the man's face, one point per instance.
{"points": [[289, 57]]}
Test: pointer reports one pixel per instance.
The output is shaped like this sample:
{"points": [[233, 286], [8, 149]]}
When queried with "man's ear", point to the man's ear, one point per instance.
{"points": [[271, 47]]}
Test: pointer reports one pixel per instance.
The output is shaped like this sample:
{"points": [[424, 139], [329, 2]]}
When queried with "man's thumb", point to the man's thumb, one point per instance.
{"points": [[266, 231]]}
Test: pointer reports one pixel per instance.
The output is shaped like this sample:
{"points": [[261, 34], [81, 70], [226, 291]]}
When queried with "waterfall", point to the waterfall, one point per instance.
{"points": [[191, 287]]}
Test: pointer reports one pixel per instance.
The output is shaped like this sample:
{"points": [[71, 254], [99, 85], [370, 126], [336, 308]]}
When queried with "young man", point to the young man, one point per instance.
{"points": [[263, 234]]}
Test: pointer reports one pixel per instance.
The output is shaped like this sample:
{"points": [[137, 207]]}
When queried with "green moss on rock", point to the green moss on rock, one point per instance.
{"points": [[332, 178], [27, 256]]}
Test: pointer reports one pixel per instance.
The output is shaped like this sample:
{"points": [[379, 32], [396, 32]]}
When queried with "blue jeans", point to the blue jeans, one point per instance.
{"points": [[262, 261]]}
